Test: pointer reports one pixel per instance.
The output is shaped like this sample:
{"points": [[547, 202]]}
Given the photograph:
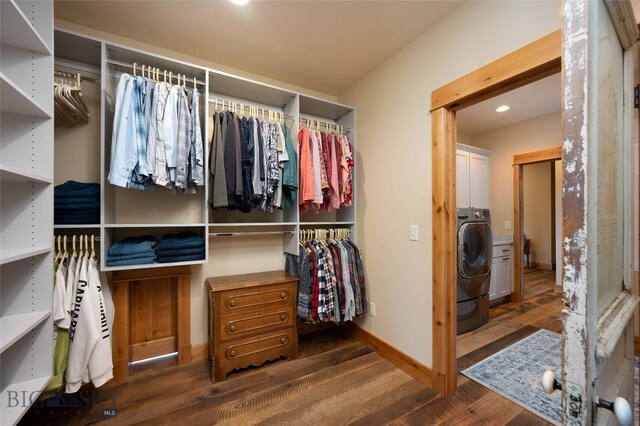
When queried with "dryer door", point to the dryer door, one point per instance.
{"points": [[475, 249]]}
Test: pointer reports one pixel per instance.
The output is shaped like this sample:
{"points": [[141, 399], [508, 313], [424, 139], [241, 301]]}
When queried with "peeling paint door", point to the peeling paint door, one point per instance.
{"points": [[598, 63]]}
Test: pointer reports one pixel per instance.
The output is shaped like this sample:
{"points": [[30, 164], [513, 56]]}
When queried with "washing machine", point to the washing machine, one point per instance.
{"points": [[475, 254]]}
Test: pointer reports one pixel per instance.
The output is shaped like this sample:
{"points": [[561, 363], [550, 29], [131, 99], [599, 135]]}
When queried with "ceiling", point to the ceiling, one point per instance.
{"points": [[533, 100], [324, 46]]}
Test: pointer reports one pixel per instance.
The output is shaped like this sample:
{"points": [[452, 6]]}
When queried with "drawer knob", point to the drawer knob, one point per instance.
{"points": [[283, 340], [232, 328], [232, 303], [283, 295], [283, 317], [232, 354]]}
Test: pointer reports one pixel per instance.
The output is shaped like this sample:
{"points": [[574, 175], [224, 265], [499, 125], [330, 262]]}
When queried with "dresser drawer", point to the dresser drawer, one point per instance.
{"points": [[233, 302], [232, 327]]}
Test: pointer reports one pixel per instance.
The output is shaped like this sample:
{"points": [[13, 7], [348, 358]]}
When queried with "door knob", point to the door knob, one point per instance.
{"points": [[549, 382], [620, 408]]}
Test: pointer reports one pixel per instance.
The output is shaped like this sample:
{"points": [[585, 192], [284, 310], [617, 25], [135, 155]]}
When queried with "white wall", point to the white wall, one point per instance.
{"points": [[537, 212], [526, 136], [394, 150]]}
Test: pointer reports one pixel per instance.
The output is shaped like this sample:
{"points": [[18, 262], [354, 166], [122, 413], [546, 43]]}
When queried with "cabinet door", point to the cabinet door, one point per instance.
{"points": [[493, 283], [504, 284], [462, 179], [478, 181]]}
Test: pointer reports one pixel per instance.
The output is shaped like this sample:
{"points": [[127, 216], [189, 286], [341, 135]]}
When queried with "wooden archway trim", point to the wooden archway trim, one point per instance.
{"points": [[519, 161], [523, 66]]}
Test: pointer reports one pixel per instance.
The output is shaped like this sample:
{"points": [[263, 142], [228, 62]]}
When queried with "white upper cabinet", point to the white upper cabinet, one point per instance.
{"points": [[472, 177]]}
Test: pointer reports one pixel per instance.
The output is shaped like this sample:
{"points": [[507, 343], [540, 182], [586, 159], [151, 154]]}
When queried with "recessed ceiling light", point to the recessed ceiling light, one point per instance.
{"points": [[502, 108], [240, 2]]}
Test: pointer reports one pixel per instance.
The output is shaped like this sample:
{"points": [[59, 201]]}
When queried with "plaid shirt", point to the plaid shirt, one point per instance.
{"points": [[315, 286], [183, 145]]}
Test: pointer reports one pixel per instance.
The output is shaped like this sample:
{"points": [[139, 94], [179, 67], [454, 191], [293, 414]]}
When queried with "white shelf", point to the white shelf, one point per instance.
{"points": [[13, 255], [18, 32], [154, 265], [88, 226], [250, 224], [16, 101], [155, 225], [13, 327], [12, 174], [11, 415], [326, 223]]}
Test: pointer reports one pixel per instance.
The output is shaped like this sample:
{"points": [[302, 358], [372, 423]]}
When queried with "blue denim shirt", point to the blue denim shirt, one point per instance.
{"points": [[124, 153]]}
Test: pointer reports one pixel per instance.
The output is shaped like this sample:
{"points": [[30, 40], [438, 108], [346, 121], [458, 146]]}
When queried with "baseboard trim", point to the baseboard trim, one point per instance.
{"points": [[557, 288], [199, 352], [415, 369]]}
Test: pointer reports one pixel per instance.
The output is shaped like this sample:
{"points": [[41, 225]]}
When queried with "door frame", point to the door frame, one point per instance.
{"points": [[519, 161], [530, 63]]}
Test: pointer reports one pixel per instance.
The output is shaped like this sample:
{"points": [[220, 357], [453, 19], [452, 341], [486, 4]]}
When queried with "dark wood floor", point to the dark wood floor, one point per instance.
{"points": [[336, 380]]}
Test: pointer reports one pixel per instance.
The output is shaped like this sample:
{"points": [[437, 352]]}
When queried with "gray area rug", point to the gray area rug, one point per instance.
{"points": [[516, 372]]}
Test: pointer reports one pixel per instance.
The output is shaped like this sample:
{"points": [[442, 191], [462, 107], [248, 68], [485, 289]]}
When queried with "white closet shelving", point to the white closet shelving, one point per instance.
{"points": [[127, 212], [26, 205]]}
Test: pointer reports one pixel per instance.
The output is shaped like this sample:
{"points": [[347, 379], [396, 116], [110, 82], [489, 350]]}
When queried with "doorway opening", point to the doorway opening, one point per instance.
{"points": [[533, 62]]}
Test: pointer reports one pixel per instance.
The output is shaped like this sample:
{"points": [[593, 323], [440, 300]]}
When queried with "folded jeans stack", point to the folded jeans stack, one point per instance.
{"points": [[132, 251], [76, 203], [181, 247]]}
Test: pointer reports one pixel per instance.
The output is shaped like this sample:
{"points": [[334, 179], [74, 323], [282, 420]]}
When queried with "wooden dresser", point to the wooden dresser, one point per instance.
{"points": [[252, 319]]}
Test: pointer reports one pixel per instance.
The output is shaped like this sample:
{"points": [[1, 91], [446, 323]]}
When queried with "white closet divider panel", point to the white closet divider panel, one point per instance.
{"points": [[26, 203]]}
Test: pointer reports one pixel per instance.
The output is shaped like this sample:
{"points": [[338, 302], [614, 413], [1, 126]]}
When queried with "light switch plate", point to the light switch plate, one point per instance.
{"points": [[372, 309], [413, 232], [507, 224]]}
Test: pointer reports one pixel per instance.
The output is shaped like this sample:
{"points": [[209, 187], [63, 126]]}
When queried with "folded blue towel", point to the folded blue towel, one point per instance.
{"points": [[73, 189], [181, 251], [140, 261], [182, 240], [132, 245], [118, 257], [169, 259]]}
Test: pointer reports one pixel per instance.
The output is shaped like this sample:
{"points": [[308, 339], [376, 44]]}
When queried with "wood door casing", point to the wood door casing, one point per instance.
{"points": [[530, 63]]}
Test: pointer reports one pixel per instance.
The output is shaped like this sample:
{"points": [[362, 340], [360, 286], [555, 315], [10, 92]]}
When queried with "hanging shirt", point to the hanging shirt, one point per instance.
{"points": [[334, 187], [196, 162], [217, 162], [124, 145], [290, 175], [306, 172], [315, 167], [90, 349], [156, 156], [183, 147]]}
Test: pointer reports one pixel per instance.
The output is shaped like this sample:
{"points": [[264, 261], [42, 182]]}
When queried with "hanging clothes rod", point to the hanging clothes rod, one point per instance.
{"points": [[82, 77], [163, 74], [320, 123], [248, 234], [235, 105], [69, 237]]}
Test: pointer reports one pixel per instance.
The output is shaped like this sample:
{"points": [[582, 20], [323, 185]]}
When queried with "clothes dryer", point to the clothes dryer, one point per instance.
{"points": [[475, 254]]}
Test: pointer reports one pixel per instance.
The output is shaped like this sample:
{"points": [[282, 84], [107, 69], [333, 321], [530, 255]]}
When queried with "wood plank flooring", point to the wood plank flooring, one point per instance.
{"points": [[335, 381]]}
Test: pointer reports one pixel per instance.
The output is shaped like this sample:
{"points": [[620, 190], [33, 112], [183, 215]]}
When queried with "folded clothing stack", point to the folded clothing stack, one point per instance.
{"points": [[181, 247], [76, 203], [132, 251]]}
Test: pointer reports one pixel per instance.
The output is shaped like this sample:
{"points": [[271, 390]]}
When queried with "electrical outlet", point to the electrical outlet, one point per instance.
{"points": [[413, 232], [507, 224], [372, 309]]}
